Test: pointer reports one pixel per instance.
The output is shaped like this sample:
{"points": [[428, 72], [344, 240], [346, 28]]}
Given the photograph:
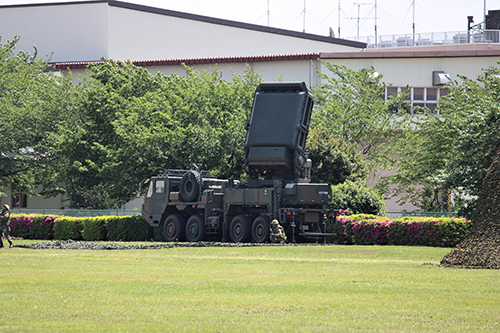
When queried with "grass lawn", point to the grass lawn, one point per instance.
{"points": [[244, 289]]}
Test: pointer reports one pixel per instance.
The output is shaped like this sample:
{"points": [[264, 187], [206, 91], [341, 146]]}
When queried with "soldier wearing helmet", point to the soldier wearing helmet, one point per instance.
{"points": [[278, 233], [5, 225]]}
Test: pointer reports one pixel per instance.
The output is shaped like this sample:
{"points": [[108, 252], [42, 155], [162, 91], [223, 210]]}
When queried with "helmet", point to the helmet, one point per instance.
{"points": [[6, 206], [275, 222]]}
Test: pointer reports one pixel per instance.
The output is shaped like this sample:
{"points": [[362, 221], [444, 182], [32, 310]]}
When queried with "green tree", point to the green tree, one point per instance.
{"points": [[351, 106], [333, 160], [132, 124], [35, 105], [449, 151], [356, 197]]}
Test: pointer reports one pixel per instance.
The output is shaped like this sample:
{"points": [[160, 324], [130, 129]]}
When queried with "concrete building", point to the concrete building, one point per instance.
{"points": [[89, 30]]}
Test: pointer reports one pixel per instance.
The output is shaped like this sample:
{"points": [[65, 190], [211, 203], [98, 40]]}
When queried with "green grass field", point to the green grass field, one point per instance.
{"points": [[244, 289]]}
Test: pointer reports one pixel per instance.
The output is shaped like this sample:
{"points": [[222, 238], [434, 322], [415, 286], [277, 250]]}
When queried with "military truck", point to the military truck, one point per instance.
{"points": [[192, 206]]}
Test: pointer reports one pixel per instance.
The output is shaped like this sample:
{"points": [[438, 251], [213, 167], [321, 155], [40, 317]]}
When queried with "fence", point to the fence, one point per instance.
{"points": [[77, 212], [431, 38], [422, 214]]}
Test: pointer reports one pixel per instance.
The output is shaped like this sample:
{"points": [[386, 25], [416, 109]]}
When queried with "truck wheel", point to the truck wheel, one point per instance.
{"points": [[195, 228], [261, 229], [240, 230], [174, 228], [190, 186]]}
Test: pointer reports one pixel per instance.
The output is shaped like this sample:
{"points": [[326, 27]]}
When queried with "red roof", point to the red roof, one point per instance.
{"points": [[199, 61]]}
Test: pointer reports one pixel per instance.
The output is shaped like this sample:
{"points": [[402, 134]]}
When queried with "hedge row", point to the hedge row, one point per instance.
{"points": [[102, 228], [362, 229]]}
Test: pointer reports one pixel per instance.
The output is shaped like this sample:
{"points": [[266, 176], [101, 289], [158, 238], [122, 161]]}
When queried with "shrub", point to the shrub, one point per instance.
{"points": [[43, 227], [157, 234], [128, 228], [356, 197], [21, 226], [125, 228], [424, 231], [68, 228], [94, 228]]}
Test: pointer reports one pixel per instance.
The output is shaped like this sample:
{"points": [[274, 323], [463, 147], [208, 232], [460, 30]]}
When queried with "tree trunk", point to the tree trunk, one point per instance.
{"points": [[481, 248]]}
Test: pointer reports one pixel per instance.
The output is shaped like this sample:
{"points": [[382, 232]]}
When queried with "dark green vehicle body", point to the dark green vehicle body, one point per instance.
{"points": [[193, 206]]}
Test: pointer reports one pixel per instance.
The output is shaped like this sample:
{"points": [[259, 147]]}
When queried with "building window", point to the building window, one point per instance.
{"points": [[19, 200], [419, 96]]}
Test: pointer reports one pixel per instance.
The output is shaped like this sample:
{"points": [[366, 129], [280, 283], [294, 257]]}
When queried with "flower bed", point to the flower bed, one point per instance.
{"points": [[362, 229]]}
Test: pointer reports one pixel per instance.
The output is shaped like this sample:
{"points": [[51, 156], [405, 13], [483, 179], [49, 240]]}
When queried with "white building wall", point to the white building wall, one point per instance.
{"points": [[417, 72], [88, 31], [71, 32], [297, 70], [137, 35]]}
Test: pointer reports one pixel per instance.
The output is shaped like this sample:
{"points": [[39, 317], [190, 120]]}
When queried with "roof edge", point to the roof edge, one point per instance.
{"points": [[410, 54], [197, 61]]}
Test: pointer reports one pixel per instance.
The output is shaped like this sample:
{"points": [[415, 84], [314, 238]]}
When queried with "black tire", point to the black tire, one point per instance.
{"points": [[195, 228], [190, 186], [174, 228], [261, 229], [240, 230]]}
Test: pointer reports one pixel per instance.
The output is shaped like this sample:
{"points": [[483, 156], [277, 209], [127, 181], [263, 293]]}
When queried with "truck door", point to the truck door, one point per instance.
{"points": [[154, 202]]}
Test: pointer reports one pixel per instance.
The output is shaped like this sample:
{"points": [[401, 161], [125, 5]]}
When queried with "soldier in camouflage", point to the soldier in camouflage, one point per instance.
{"points": [[5, 225], [278, 233]]}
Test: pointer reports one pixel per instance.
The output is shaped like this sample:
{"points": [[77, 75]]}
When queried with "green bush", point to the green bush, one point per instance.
{"points": [[157, 234], [94, 228], [375, 230], [68, 228], [128, 228], [43, 227], [32, 226], [114, 228], [356, 197]]}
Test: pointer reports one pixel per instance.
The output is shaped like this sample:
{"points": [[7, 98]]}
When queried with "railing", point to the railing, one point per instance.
{"points": [[431, 38], [77, 212], [422, 214]]}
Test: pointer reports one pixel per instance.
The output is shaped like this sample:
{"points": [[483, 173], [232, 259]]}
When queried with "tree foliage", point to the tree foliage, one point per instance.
{"points": [[449, 151], [351, 106], [356, 197], [34, 107], [333, 160], [131, 124], [95, 141]]}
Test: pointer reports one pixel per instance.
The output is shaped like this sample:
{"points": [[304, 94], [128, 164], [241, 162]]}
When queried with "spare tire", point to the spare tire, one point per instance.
{"points": [[190, 187]]}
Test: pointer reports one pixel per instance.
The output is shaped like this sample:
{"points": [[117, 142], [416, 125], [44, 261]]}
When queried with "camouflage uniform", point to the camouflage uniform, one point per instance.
{"points": [[5, 225], [278, 233]]}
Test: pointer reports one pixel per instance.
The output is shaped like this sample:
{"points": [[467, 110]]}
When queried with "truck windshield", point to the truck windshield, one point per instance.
{"points": [[160, 186], [150, 190]]}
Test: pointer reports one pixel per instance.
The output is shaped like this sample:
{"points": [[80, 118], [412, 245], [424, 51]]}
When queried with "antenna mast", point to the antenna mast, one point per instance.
{"points": [[339, 18], [267, 12], [359, 4], [304, 26], [375, 23], [413, 22]]}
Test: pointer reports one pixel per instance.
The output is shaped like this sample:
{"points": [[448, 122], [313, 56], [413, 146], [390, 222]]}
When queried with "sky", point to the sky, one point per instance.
{"points": [[357, 18]]}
